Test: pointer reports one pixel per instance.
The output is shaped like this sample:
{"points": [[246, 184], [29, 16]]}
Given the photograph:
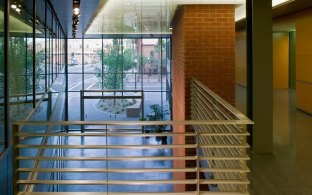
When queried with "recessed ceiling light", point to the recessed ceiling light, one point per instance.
{"points": [[280, 2], [240, 11]]}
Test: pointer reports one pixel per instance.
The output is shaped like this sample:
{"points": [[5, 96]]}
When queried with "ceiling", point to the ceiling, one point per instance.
{"points": [[124, 16], [64, 10], [141, 16], [284, 10], [16, 25]]}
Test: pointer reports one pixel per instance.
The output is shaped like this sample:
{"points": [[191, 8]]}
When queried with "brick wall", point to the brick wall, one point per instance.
{"points": [[203, 47]]}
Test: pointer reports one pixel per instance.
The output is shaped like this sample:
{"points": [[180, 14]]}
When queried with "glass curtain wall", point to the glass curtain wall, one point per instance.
{"points": [[36, 58], [118, 64], [2, 73]]}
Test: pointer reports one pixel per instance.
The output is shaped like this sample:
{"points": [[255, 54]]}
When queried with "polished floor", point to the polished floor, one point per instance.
{"points": [[288, 170], [115, 176]]}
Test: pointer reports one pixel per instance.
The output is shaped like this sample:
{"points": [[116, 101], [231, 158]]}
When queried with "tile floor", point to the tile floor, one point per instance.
{"points": [[288, 170]]}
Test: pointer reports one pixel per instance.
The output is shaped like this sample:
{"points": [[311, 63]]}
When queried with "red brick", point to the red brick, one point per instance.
{"points": [[203, 48]]}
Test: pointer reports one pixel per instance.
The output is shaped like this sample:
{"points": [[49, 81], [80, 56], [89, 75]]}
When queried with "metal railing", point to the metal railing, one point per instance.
{"points": [[226, 142], [119, 161]]}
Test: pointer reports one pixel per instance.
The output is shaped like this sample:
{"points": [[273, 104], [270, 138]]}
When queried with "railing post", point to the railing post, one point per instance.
{"points": [[82, 110], [135, 81], [49, 103], [15, 162], [106, 143], [197, 131]]}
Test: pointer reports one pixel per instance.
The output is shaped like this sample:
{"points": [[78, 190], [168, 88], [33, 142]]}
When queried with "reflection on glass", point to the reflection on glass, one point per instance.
{"points": [[134, 17], [40, 65], [20, 76], [34, 63]]}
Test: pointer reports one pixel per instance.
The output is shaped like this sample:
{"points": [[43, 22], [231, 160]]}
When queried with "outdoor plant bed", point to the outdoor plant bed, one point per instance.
{"points": [[114, 106]]}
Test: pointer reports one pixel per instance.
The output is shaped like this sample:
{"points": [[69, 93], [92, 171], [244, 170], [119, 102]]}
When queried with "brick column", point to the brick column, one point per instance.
{"points": [[203, 48]]}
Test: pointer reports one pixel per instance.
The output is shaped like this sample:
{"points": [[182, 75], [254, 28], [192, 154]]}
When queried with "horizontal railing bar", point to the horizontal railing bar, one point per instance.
{"points": [[131, 182], [109, 91], [109, 134], [134, 123], [104, 170], [225, 158], [225, 181], [24, 134], [107, 182], [141, 170], [225, 104], [135, 193], [205, 106], [111, 97], [223, 146], [132, 146], [128, 158], [225, 170], [107, 146], [223, 133]]}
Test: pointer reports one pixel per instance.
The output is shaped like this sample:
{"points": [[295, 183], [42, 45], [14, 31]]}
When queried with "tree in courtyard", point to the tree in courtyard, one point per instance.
{"points": [[113, 74], [116, 59], [128, 59]]}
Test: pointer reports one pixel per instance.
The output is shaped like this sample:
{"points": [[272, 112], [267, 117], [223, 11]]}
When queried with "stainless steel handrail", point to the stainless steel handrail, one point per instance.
{"points": [[136, 193], [208, 105], [219, 151], [133, 123]]}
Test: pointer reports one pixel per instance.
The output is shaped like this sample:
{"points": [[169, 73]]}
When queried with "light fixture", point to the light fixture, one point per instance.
{"points": [[37, 20], [76, 14], [76, 5], [17, 6], [18, 10]]}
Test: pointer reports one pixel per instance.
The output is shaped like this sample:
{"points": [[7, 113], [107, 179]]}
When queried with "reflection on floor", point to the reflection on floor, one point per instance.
{"points": [[126, 140], [288, 170]]}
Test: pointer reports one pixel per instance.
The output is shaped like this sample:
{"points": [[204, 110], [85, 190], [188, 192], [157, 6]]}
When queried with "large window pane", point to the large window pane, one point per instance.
{"points": [[118, 64], [2, 109], [93, 65], [20, 78]]}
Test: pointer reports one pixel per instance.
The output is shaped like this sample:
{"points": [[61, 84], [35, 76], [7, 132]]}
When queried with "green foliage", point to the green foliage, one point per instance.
{"points": [[157, 114], [21, 63], [128, 60], [20, 66], [112, 57], [142, 61]]}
